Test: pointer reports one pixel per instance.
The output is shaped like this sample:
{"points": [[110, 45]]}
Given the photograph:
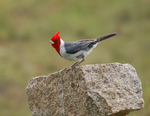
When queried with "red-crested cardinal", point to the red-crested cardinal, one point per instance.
{"points": [[75, 51]]}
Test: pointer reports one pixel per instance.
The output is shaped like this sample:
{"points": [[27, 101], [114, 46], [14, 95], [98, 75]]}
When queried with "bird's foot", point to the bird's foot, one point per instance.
{"points": [[67, 68], [72, 67]]}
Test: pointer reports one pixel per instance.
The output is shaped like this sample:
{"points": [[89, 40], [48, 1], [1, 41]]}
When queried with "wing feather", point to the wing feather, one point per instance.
{"points": [[74, 47]]}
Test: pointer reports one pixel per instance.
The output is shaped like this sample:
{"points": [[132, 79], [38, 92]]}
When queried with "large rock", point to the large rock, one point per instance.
{"points": [[90, 90]]}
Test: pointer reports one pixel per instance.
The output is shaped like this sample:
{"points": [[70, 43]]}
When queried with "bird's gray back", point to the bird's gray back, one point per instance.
{"points": [[74, 47]]}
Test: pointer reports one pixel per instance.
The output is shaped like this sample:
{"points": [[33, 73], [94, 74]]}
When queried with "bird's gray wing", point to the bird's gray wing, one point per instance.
{"points": [[74, 47]]}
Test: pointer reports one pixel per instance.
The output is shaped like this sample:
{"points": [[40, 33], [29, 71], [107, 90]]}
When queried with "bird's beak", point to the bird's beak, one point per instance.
{"points": [[51, 42]]}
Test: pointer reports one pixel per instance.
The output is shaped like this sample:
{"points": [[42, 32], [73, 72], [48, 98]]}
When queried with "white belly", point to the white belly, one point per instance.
{"points": [[71, 57]]}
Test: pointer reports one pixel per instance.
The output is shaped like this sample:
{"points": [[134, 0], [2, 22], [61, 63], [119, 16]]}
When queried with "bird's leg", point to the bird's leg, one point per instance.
{"points": [[82, 58], [76, 64], [79, 62]]}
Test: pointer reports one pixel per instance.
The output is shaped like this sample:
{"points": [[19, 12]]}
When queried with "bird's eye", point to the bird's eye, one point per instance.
{"points": [[56, 41]]}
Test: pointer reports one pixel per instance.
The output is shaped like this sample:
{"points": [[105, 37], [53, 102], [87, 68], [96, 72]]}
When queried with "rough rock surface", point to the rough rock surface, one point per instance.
{"points": [[90, 90]]}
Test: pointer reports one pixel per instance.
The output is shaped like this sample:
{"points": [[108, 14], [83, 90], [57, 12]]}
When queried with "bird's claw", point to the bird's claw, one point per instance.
{"points": [[72, 67]]}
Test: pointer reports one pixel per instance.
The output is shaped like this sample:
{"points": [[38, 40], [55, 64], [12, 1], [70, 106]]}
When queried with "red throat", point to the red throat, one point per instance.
{"points": [[57, 42], [57, 49]]}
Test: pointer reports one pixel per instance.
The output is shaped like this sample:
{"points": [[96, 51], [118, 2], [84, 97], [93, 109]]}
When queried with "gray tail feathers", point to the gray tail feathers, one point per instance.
{"points": [[105, 37]]}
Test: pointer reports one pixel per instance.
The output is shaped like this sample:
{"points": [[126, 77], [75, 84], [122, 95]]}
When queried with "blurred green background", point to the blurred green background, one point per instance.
{"points": [[26, 26]]}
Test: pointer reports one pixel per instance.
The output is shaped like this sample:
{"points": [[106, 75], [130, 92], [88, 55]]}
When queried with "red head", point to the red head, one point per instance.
{"points": [[55, 42]]}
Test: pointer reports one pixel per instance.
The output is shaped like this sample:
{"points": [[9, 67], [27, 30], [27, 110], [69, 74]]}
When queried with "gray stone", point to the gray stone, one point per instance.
{"points": [[90, 90]]}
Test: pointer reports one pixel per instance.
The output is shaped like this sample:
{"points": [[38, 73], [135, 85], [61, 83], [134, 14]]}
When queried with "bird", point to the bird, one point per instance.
{"points": [[78, 50]]}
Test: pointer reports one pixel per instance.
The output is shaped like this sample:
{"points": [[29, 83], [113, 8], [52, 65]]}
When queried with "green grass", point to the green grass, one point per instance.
{"points": [[27, 26]]}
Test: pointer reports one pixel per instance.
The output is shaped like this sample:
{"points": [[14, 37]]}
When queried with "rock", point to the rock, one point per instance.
{"points": [[90, 90]]}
